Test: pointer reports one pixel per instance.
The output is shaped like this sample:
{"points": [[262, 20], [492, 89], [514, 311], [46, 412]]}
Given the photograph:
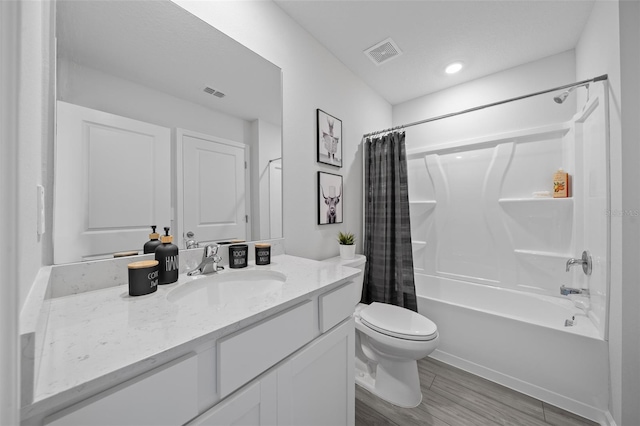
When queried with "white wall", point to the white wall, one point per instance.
{"points": [[609, 45], [312, 78], [543, 74], [35, 129], [81, 85], [26, 154], [629, 72], [9, 303], [597, 52]]}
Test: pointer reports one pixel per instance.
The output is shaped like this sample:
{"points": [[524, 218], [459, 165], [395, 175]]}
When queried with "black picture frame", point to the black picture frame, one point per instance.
{"points": [[330, 198], [329, 138]]}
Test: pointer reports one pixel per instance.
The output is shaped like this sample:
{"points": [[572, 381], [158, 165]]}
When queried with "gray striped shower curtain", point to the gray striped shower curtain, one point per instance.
{"points": [[387, 234]]}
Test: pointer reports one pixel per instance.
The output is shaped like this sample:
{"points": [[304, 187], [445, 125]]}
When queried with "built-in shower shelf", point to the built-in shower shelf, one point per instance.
{"points": [[542, 200], [424, 203], [422, 207], [419, 243], [540, 253]]}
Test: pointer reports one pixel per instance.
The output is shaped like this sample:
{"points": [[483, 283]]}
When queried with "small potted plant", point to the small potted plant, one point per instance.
{"points": [[347, 245]]}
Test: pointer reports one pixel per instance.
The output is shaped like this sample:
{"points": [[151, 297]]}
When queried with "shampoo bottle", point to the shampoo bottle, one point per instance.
{"points": [[167, 257], [153, 243], [561, 184]]}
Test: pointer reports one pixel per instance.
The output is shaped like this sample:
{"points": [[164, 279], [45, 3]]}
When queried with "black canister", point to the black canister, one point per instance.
{"points": [[167, 257], [143, 277], [263, 254], [238, 255]]}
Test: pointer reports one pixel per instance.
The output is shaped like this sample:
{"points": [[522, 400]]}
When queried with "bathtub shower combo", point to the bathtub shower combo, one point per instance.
{"points": [[492, 253]]}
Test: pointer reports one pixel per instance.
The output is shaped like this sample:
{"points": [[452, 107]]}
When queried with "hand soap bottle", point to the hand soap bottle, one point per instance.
{"points": [[167, 257], [153, 243]]}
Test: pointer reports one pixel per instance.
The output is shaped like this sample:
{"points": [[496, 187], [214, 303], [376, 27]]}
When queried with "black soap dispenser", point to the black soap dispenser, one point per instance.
{"points": [[167, 257], [153, 243]]}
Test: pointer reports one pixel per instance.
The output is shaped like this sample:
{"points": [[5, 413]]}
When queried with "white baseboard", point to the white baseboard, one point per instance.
{"points": [[603, 417]]}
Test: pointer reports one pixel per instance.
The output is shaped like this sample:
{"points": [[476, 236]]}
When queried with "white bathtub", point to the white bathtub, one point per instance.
{"points": [[519, 340]]}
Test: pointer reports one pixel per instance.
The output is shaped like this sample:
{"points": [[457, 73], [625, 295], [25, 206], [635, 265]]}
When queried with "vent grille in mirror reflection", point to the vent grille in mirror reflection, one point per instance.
{"points": [[214, 92]]}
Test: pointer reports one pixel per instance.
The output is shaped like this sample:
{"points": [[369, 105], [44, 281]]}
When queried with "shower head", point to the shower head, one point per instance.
{"points": [[564, 95]]}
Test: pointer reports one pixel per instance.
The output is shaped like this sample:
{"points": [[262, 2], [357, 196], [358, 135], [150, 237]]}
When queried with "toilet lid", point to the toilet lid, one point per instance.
{"points": [[398, 322]]}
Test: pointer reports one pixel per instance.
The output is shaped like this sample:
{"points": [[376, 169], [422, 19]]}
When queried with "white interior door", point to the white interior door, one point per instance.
{"points": [[275, 199], [112, 181], [213, 187]]}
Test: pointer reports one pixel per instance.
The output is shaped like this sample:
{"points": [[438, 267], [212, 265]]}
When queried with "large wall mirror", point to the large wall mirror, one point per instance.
{"points": [[161, 120]]}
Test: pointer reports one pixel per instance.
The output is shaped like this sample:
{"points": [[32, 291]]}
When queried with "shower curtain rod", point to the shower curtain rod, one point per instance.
{"points": [[452, 114]]}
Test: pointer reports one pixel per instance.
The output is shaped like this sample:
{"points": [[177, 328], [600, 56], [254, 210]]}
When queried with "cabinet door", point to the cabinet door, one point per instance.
{"points": [[254, 404], [316, 386]]}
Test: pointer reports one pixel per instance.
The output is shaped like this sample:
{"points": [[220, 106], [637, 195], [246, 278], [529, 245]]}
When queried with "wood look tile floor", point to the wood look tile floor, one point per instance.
{"points": [[453, 397]]}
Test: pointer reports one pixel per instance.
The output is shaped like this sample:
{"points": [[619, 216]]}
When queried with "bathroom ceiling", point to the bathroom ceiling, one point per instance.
{"points": [[487, 36], [159, 45]]}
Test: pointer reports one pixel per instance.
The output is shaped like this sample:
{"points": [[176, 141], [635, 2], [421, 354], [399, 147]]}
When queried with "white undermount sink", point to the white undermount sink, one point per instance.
{"points": [[228, 286]]}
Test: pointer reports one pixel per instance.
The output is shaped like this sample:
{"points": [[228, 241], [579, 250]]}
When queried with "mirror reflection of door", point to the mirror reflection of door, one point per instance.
{"points": [[113, 180], [275, 198], [213, 189]]}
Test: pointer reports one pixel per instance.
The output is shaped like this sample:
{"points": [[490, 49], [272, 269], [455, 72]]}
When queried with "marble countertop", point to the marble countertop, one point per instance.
{"points": [[98, 338]]}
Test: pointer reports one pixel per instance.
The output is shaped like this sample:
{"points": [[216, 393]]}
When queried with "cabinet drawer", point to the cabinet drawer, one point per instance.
{"points": [[336, 305], [166, 395], [247, 353]]}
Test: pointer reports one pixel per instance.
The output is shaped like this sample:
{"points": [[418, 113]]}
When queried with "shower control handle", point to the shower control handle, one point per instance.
{"points": [[585, 261]]}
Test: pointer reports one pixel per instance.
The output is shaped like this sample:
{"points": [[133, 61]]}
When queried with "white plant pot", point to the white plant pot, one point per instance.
{"points": [[348, 252]]}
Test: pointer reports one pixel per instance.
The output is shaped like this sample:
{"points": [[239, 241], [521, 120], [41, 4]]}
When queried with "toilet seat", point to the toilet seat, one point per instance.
{"points": [[398, 322]]}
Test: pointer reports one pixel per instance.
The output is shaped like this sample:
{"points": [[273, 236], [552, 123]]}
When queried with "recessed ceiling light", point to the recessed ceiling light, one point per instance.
{"points": [[453, 68]]}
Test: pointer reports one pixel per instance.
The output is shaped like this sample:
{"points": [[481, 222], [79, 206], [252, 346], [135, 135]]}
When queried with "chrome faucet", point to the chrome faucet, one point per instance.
{"points": [[585, 261], [190, 242], [565, 291], [209, 258]]}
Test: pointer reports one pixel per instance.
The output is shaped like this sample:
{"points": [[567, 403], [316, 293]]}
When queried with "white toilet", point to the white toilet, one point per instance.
{"points": [[389, 341]]}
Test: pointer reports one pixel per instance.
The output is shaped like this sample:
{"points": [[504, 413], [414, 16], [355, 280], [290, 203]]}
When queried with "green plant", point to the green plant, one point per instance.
{"points": [[346, 238]]}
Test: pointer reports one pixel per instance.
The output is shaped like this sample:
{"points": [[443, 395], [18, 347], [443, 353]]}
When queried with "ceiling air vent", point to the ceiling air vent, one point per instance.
{"points": [[383, 52], [214, 92]]}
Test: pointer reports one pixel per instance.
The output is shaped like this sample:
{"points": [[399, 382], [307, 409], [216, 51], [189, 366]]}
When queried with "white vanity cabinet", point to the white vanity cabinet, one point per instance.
{"points": [[293, 367], [314, 386], [166, 395], [254, 404]]}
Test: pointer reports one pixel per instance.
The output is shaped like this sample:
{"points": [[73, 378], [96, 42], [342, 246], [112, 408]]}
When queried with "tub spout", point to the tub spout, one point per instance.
{"points": [[565, 291]]}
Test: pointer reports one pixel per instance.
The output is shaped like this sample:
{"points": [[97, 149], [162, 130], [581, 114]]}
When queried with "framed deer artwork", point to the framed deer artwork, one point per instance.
{"points": [[329, 139], [330, 196]]}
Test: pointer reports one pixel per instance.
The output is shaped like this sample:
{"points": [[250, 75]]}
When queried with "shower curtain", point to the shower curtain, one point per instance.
{"points": [[387, 237]]}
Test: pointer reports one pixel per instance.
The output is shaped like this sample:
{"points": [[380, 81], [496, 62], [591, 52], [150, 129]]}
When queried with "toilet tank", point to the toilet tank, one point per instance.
{"points": [[357, 262]]}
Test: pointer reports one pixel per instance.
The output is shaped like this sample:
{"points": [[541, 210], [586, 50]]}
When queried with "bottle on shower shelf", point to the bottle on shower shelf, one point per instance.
{"points": [[561, 184]]}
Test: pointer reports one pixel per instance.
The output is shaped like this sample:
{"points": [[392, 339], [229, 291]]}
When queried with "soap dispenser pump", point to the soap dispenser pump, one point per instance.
{"points": [[167, 257], [153, 243]]}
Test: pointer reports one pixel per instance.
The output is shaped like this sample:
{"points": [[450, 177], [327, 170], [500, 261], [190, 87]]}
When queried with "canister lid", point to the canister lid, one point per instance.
{"points": [[126, 253], [143, 264], [262, 245]]}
